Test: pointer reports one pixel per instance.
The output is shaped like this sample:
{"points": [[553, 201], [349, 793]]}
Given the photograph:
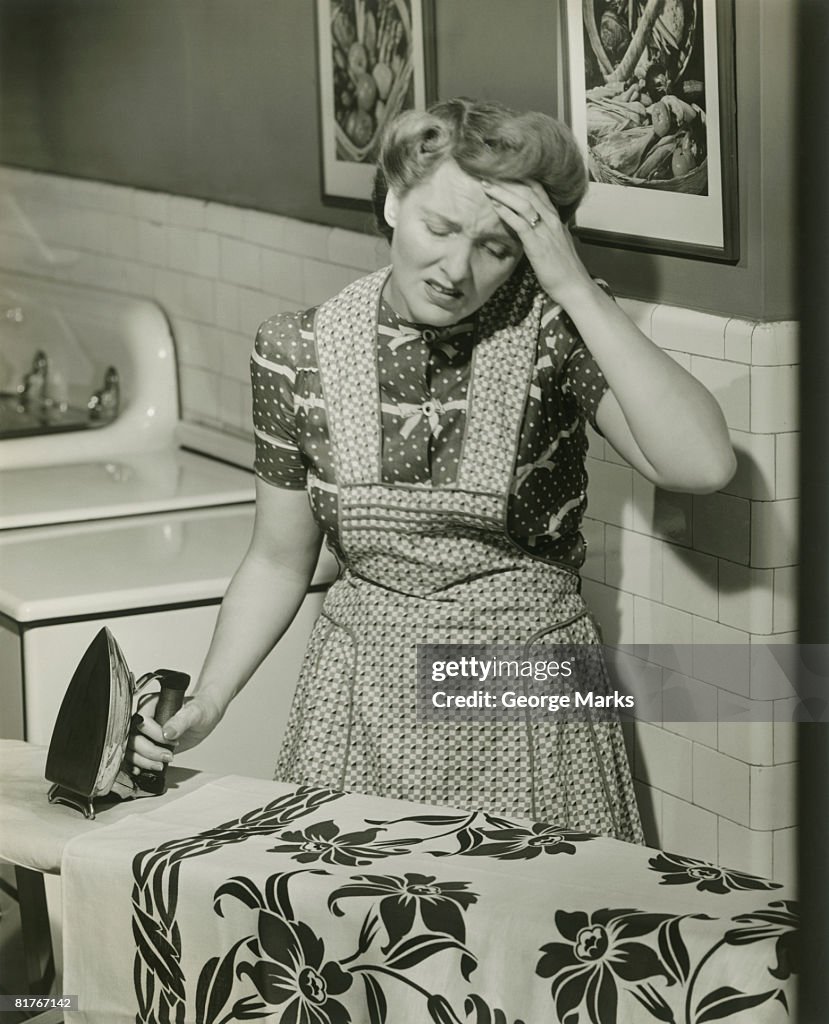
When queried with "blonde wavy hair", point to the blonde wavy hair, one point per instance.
{"points": [[487, 140]]}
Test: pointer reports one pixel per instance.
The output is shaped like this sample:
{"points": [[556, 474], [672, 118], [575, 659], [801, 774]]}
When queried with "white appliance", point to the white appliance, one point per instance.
{"points": [[121, 525]]}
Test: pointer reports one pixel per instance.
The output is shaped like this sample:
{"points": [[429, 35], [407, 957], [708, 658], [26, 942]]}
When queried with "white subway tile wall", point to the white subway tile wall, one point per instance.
{"points": [[721, 526], [743, 849], [612, 609], [633, 562], [655, 623], [267, 229], [774, 405], [218, 271], [683, 358], [611, 492], [641, 678], [688, 829], [663, 760], [785, 730], [661, 568], [785, 599], [784, 853], [738, 340], [707, 631], [755, 477], [773, 796], [721, 656], [649, 801], [746, 597], [689, 580], [787, 447], [321, 280], [775, 344], [774, 529], [773, 665], [686, 330], [690, 707], [659, 513], [184, 211], [731, 386], [746, 729], [722, 784]]}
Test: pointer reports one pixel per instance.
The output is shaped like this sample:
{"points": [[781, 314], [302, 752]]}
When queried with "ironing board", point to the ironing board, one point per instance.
{"points": [[33, 835], [236, 898]]}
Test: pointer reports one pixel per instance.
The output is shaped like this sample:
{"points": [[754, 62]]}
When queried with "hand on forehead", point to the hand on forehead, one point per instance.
{"points": [[456, 199]]}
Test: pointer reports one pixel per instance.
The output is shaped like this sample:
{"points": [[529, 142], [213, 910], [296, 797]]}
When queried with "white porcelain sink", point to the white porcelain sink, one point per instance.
{"points": [[84, 331], [131, 484], [131, 525], [133, 465]]}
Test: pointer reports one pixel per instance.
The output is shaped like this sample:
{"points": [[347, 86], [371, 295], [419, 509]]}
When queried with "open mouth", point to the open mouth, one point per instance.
{"points": [[443, 293]]}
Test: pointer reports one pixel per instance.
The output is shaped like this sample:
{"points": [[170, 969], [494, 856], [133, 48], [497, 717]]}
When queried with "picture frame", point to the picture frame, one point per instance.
{"points": [[649, 91], [375, 58]]}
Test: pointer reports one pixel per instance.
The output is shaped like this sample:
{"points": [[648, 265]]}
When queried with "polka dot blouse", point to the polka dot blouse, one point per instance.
{"points": [[424, 378]]}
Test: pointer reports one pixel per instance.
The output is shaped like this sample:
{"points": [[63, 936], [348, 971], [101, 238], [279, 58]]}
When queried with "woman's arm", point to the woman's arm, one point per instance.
{"points": [[261, 601], [656, 414]]}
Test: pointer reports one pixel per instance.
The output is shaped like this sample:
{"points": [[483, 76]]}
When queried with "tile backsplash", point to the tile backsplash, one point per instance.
{"points": [[661, 568], [217, 271], [715, 569]]}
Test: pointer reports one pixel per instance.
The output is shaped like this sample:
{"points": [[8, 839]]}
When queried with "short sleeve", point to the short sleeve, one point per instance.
{"points": [[273, 363], [578, 373]]}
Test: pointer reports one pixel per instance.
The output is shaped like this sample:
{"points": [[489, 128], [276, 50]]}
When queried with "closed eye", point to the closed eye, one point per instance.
{"points": [[494, 248], [498, 251]]}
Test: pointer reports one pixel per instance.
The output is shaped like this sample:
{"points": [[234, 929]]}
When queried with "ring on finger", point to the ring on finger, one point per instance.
{"points": [[535, 220]]}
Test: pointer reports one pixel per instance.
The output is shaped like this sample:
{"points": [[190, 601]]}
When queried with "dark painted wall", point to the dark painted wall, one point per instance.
{"points": [[217, 99]]}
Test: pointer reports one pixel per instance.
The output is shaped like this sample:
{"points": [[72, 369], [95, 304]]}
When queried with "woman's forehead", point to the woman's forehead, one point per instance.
{"points": [[449, 192], [449, 182]]}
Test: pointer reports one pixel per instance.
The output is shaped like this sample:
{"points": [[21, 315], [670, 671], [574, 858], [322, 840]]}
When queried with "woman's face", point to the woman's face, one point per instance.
{"points": [[450, 250]]}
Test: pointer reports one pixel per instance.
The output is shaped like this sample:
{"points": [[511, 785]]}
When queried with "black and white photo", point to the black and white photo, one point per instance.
{"points": [[375, 60], [651, 100]]}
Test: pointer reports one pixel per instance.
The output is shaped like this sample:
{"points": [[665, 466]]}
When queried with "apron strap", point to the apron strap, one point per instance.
{"points": [[503, 361], [345, 329]]}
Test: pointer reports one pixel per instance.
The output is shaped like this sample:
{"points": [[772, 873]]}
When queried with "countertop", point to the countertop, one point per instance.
{"points": [[135, 562], [129, 484]]}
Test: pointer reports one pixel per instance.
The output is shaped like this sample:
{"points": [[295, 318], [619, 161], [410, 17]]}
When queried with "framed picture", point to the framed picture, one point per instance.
{"points": [[375, 58], [650, 95]]}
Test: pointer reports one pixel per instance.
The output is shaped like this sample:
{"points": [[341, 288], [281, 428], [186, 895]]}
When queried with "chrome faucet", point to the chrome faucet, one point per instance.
{"points": [[35, 382], [103, 405]]}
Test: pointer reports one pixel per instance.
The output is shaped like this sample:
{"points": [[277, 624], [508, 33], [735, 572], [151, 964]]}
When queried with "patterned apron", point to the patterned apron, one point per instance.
{"points": [[431, 565]]}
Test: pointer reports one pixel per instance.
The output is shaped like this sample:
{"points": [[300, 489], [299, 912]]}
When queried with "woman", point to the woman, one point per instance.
{"points": [[435, 412]]}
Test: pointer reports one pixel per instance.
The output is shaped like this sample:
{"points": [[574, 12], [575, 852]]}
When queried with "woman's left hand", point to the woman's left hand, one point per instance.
{"points": [[547, 242], [678, 438]]}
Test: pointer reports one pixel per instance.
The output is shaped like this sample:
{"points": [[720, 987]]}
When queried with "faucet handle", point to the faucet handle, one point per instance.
{"points": [[104, 403], [40, 363], [33, 387]]}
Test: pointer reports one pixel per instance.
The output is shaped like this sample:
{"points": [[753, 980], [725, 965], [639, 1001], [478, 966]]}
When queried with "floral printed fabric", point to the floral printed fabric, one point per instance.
{"points": [[258, 901], [424, 376]]}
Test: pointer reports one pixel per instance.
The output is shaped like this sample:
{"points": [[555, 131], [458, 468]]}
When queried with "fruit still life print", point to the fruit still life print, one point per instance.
{"points": [[644, 72], [371, 43]]}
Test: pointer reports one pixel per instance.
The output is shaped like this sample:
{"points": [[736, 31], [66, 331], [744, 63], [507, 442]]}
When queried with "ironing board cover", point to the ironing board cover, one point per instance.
{"points": [[255, 900]]}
